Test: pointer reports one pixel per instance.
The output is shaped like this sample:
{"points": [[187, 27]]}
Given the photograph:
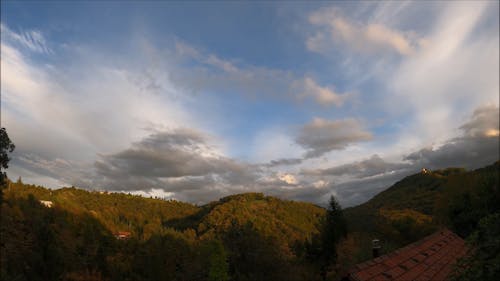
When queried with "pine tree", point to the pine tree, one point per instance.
{"points": [[334, 229]]}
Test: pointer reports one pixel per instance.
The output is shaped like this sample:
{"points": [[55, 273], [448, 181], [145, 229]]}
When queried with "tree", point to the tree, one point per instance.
{"points": [[6, 146], [253, 256], [218, 267], [322, 250], [483, 259], [334, 230]]}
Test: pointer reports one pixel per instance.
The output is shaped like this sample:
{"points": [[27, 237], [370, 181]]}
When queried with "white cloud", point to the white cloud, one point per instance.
{"points": [[288, 178], [369, 38], [216, 74], [455, 74], [320, 184], [453, 67], [308, 88], [185, 50], [77, 110], [30, 39]]}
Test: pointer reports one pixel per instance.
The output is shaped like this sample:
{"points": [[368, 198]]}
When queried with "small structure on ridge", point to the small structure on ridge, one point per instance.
{"points": [[47, 204], [122, 235]]}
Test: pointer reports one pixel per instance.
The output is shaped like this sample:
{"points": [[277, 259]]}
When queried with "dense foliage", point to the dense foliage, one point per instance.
{"points": [[483, 259], [141, 216], [241, 237], [471, 207]]}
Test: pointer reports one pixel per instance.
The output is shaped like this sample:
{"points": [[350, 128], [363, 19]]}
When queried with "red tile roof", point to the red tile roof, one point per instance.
{"points": [[431, 258]]}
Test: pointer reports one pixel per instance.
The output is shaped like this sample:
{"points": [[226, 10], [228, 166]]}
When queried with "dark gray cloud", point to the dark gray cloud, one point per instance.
{"points": [[358, 191], [304, 193], [168, 160], [467, 152], [484, 123], [51, 172], [369, 167], [166, 154], [322, 136], [477, 146], [284, 162]]}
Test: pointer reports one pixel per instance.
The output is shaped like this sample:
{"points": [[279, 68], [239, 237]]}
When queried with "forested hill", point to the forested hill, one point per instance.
{"points": [[244, 237], [116, 211], [418, 204], [285, 220], [424, 192], [143, 217]]}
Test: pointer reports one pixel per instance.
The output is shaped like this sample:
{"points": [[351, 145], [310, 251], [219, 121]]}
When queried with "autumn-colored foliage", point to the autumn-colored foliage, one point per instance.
{"points": [[240, 237]]}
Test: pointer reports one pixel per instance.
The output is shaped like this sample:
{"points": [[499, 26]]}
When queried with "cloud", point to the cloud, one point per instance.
{"points": [[85, 106], [180, 162], [458, 72], [358, 191], [33, 40], [197, 70], [308, 88], [477, 146], [284, 162], [217, 74], [483, 123], [170, 154], [185, 50], [366, 38], [358, 181], [322, 136], [288, 178], [372, 166]]}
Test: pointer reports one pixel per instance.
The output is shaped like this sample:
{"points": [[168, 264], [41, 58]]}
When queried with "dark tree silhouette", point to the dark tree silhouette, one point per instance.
{"points": [[6, 147], [322, 250]]}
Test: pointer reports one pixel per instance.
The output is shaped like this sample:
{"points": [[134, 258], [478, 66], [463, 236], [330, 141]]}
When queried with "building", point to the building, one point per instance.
{"points": [[47, 204], [122, 235], [431, 258]]}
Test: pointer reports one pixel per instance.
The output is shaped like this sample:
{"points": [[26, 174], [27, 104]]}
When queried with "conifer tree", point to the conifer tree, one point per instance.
{"points": [[334, 229]]}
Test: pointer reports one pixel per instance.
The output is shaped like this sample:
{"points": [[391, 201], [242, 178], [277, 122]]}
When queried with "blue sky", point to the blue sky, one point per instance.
{"points": [[203, 99]]}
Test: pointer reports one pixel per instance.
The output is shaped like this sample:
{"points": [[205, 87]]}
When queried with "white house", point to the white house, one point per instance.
{"points": [[47, 204]]}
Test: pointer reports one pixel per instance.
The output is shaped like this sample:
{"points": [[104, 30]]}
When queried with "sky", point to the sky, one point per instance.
{"points": [[195, 101]]}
